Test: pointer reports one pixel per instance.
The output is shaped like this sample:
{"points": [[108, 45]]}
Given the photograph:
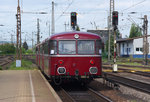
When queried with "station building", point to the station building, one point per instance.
{"points": [[131, 47]]}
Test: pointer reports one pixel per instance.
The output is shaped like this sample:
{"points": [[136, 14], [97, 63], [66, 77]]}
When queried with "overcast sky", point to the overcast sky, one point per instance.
{"points": [[90, 13]]}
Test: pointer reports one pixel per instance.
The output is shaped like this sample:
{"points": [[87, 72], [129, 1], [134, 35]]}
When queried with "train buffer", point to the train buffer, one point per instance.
{"points": [[25, 86]]}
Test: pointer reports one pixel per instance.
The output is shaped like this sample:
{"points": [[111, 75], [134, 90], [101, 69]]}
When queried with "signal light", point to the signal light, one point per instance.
{"points": [[115, 18], [73, 19]]}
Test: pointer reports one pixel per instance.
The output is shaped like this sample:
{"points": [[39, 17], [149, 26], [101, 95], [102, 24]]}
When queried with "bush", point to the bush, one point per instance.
{"points": [[7, 49], [29, 52]]}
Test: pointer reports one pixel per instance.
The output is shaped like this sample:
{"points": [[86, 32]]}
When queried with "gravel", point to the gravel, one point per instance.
{"points": [[123, 94]]}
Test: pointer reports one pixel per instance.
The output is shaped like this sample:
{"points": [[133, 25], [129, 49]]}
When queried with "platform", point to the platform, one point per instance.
{"points": [[25, 86]]}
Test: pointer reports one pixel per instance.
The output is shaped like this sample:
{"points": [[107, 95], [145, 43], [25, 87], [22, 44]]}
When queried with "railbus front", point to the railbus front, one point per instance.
{"points": [[72, 56]]}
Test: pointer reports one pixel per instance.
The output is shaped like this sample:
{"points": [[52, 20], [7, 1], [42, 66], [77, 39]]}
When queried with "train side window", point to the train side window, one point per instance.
{"points": [[53, 47], [98, 47], [46, 47]]}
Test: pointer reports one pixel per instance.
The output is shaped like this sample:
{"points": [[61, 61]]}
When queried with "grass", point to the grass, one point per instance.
{"points": [[125, 61], [129, 63], [0, 68], [26, 65]]}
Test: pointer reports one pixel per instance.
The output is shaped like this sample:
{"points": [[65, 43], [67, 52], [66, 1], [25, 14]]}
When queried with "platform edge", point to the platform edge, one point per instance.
{"points": [[50, 88]]}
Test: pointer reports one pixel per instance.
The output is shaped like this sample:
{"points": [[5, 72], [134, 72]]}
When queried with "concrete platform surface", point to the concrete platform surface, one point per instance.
{"points": [[25, 86]]}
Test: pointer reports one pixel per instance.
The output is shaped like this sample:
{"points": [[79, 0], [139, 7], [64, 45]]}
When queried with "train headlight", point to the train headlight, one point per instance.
{"points": [[61, 70], [61, 62], [92, 62], [93, 70]]}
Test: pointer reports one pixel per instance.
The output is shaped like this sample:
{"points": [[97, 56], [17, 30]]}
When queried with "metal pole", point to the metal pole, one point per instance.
{"points": [[147, 44], [32, 40], [115, 69], [18, 45], [65, 26], [145, 40], [110, 26], [109, 33], [38, 31], [53, 20], [18, 16], [49, 29]]}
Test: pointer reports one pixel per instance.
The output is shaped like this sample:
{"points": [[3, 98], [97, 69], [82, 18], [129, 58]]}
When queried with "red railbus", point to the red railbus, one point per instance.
{"points": [[70, 56]]}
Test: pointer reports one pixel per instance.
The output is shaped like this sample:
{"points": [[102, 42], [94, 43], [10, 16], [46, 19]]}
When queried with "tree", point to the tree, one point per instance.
{"points": [[111, 45], [25, 46], [135, 31], [118, 36], [7, 49], [78, 28]]}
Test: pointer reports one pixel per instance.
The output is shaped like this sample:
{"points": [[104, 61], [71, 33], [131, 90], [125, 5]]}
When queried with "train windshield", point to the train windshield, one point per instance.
{"points": [[86, 47], [67, 47]]}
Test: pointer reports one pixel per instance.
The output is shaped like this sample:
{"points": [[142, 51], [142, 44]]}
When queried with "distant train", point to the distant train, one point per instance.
{"points": [[70, 56]]}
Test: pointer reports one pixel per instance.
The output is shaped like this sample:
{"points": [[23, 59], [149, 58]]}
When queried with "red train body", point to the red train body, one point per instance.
{"points": [[70, 55]]}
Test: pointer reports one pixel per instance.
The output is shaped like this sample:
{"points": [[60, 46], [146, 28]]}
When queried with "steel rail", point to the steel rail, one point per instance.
{"points": [[144, 87], [101, 97]]}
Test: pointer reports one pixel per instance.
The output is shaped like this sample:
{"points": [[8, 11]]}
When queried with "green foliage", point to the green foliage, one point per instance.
{"points": [[7, 49], [25, 46], [1, 68], [111, 45], [25, 65], [105, 54], [135, 31], [118, 33], [23, 50], [78, 28], [29, 51]]}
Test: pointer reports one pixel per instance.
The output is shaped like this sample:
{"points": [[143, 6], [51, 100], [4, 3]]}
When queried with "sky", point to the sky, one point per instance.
{"points": [[91, 14]]}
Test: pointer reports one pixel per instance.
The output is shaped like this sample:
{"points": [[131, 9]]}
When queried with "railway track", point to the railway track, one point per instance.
{"points": [[105, 65], [80, 94], [5, 60], [146, 74], [144, 87]]}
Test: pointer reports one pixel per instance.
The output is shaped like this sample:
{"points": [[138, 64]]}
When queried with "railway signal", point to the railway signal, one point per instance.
{"points": [[115, 24], [115, 18], [73, 20]]}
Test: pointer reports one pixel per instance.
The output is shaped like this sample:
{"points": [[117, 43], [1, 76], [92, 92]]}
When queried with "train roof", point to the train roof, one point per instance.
{"points": [[72, 35]]}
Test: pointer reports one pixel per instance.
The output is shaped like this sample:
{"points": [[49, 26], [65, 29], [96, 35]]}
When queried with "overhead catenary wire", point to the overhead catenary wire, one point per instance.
{"points": [[133, 5], [64, 10]]}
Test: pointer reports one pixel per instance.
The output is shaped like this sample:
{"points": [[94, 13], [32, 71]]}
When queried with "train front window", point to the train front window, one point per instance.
{"points": [[86, 47], [67, 47]]}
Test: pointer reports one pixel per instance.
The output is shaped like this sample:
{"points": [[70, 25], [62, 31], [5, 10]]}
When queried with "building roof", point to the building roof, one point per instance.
{"points": [[129, 39]]}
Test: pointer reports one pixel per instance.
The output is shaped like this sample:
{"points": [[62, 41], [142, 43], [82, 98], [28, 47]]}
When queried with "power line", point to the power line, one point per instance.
{"points": [[133, 5], [65, 10]]}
